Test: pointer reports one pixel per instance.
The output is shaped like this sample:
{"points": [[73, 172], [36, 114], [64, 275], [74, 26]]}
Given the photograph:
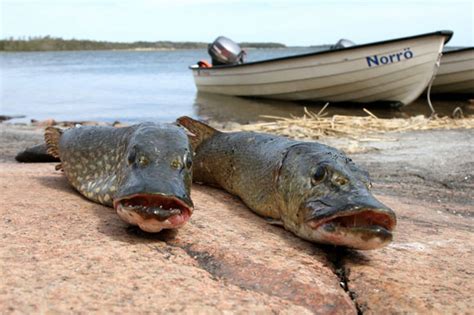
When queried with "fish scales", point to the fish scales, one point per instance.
{"points": [[244, 164], [313, 190], [81, 150], [143, 171]]}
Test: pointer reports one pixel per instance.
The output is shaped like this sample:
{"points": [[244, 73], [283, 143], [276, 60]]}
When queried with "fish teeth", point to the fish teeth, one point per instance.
{"points": [[329, 227], [161, 211], [175, 211], [155, 210]]}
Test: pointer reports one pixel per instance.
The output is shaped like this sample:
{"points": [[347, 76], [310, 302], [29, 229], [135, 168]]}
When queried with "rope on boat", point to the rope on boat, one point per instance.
{"points": [[428, 93], [428, 97], [458, 113]]}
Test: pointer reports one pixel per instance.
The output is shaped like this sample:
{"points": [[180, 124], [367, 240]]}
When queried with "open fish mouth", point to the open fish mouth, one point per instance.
{"points": [[153, 212], [360, 229]]}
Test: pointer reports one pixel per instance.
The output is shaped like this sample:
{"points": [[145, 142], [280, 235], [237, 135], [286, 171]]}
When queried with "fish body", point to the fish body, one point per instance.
{"points": [[143, 171], [314, 190]]}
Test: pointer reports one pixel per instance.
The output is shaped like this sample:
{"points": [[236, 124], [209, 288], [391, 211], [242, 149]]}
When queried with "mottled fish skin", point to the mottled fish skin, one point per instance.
{"points": [[92, 159], [145, 161], [246, 165], [313, 189]]}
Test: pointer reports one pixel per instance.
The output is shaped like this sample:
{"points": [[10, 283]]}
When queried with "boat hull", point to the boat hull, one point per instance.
{"points": [[395, 71], [456, 73]]}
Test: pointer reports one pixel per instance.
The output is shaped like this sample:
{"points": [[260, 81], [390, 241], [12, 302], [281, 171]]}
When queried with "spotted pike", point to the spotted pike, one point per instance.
{"points": [[313, 190], [143, 171]]}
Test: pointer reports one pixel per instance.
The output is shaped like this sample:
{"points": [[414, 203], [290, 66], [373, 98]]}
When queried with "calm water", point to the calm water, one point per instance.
{"points": [[135, 86]]}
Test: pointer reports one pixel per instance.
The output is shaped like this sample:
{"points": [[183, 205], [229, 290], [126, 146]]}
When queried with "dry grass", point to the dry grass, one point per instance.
{"points": [[317, 125]]}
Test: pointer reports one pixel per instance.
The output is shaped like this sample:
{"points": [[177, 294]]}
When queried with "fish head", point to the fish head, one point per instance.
{"points": [[155, 178], [328, 199]]}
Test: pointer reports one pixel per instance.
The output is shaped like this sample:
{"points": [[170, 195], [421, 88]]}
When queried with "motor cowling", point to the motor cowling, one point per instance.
{"points": [[343, 43], [224, 51]]}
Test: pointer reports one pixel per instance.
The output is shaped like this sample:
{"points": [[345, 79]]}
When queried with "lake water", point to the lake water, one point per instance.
{"points": [[132, 86]]}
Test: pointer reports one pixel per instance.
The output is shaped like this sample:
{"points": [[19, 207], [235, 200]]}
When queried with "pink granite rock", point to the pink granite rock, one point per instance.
{"points": [[61, 253], [428, 268]]}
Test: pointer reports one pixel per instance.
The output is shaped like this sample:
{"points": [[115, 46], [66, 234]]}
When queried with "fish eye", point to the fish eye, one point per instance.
{"points": [[341, 181], [318, 175], [142, 161], [175, 164]]}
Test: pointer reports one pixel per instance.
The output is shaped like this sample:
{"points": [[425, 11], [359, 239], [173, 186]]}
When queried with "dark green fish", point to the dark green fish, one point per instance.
{"points": [[35, 154], [143, 171], [313, 190]]}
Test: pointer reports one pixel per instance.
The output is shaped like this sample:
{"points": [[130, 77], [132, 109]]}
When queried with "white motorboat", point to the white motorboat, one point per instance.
{"points": [[395, 71], [456, 72]]}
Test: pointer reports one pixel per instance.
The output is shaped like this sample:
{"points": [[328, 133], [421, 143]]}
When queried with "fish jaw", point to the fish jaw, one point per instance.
{"points": [[358, 228], [153, 212]]}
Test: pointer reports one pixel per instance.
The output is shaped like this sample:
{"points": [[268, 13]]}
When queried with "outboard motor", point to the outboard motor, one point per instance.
{"points": [[343, 43], [225, 52]]}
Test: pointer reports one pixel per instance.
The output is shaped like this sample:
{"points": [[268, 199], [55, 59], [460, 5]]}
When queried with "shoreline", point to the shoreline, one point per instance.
{"points": [[146, 49]]}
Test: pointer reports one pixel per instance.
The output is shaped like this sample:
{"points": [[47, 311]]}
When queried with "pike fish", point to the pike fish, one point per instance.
{"points": [[143, 171], [313, 190]]}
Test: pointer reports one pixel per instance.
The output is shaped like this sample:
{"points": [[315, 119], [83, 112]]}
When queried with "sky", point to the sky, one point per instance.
{"points": [[294, 23]]}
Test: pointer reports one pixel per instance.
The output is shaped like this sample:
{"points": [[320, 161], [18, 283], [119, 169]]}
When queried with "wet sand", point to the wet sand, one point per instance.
{"points": [[62, 253]]}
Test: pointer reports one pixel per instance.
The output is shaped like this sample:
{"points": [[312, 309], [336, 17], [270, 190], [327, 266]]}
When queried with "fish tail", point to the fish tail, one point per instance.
{"points": [[199, 130], [51, 137], [34, 154]]}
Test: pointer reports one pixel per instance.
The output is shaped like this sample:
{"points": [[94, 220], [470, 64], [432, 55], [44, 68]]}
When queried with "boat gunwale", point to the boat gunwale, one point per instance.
{"points": [[445, 33], [457, 50]]}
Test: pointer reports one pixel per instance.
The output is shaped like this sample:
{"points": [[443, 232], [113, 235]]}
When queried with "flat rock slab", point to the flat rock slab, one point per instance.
{"points": [[429, 268], [62, 253]]}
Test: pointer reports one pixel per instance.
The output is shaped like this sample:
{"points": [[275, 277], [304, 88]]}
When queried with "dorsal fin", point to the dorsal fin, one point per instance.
{"points": [[51, 137], [199, 130]]}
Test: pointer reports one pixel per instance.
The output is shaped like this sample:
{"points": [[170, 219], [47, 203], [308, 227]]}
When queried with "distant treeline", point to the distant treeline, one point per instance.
{"points": [[261, 45], [48, 43]]}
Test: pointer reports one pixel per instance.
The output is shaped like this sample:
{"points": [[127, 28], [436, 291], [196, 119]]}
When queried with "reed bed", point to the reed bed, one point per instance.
{"points": [[319, 125]]}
